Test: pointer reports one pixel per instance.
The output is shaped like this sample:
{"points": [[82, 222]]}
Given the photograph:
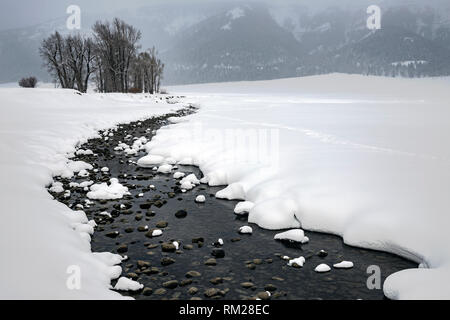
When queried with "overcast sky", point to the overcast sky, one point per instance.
{"points": [[21, 13]]}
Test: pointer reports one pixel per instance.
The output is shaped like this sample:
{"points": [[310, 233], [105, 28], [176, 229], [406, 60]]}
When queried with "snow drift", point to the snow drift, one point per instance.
{"points": [[42, 241], [365, 158]]}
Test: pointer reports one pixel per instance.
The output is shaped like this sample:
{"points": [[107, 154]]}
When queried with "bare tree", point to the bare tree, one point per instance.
{"points": [[112, 55], [69, 59], [53, 51], [116, 47], [149, 68]]}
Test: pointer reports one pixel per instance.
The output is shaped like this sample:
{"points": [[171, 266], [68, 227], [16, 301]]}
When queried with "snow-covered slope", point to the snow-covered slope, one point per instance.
{"points": [[38, 127], [366, 158]]}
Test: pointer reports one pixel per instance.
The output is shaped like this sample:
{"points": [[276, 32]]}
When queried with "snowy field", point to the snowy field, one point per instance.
{"points": [[41, 238], [365, 158]]}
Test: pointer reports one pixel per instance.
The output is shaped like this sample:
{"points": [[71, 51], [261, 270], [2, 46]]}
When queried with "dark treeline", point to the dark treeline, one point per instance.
{"points": [[111, 56]]}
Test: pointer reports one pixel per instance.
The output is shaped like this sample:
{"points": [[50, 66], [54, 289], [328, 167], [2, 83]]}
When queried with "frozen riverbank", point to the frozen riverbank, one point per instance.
{"points": [[38, 129], [199, 253], [360, 157]]}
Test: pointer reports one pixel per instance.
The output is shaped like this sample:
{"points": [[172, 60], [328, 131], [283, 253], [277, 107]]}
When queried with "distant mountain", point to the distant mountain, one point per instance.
{"points": [[394, 51], [232, 40], [243, 43]]}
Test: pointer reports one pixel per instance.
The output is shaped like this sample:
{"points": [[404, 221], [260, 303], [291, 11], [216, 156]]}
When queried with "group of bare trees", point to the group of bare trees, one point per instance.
{"points": [[69, 59], [111, 55], [147, 71]]}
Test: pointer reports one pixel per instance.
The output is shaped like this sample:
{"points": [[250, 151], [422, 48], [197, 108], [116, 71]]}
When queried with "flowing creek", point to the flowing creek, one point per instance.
{"points": [[252, 264]]}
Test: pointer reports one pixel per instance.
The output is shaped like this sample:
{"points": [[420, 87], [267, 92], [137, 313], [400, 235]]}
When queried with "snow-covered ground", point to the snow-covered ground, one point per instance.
{"points": [[365, 158], [42, 242]]}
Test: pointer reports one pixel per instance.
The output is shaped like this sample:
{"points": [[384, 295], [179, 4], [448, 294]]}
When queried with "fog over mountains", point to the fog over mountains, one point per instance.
{"points": [[213, 41]]}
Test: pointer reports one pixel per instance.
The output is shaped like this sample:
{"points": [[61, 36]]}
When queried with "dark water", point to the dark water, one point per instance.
{"points": [[211, 221]]}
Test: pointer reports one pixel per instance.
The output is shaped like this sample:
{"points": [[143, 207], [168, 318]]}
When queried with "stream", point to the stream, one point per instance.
{"points": [[245, 267]]}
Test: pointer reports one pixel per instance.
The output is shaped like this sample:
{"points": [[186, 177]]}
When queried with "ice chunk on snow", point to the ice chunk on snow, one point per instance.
{"points": [[170, 161], [165, 168], [150, 161], [297, 235], [157, 233], [77, 166], [107, 214], [234, 191], [200, 199], [322, 268], [125, 284], [109, 258], [243, 207], [344, 265], [57, 187], [189, 182], [104, 191], [297, 261], [245, 230], [179, 175], [82, 152], [275, 214], [83, 173]]}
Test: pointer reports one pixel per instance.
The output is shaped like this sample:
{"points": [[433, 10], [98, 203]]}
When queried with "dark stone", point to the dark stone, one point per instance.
{"points": [[160, 292], [132, 276], [145, 206], [251, 266], [143, 229], [170, 284], [263, 296], [218, 253], [162, 224], [193, 274], [113, 234], [158, 204], [197, 240], [143, 264], [167, 261], [211, 262], [216, 281], [209, 293], [122, 248], [322, 254], [247, 285], [168, 247], [270, 288], [193, 291], [181, 214]]}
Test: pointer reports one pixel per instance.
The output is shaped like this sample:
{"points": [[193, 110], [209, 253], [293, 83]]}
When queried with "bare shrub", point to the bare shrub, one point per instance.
{"points": [[29, 82]]}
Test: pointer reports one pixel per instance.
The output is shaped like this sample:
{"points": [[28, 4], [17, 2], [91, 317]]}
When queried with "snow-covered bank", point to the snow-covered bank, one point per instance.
{"points": [[43, 242], [362, 157]]}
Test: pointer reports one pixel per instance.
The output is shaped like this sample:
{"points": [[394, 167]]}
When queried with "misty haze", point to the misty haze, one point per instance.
{"points": [[208, 150]]}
